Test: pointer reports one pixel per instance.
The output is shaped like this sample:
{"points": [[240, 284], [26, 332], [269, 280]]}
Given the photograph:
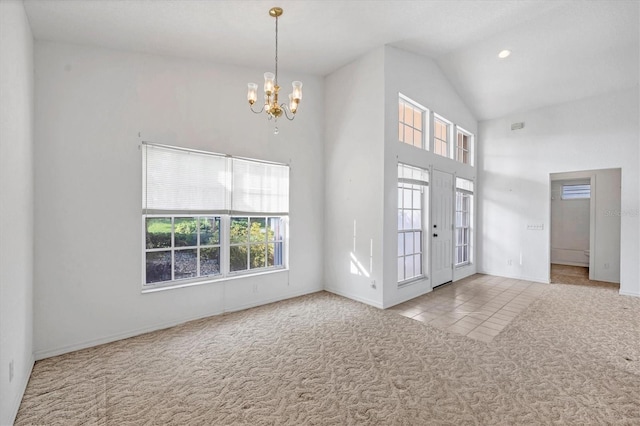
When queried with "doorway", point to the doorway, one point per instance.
{"points": [[442, 228], [584, 235]]}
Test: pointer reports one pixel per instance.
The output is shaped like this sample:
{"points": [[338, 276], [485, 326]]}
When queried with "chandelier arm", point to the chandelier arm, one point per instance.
{"points": [[256, 112], [285, 108], [276, 50]]}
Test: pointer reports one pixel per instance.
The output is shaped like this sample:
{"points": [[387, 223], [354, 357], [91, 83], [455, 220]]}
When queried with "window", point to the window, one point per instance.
{"points": [[463, 147], [211, 216], [576, 192], [412, 197], [255, 243], [410, 122], [464, 210], [441, 130], [181, 247]]}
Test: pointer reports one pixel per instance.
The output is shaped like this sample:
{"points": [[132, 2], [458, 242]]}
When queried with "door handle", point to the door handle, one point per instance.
{"points": [[435, 235]]}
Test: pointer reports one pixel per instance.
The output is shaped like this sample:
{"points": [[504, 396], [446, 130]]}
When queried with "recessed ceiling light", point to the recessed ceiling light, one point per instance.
{"points": [[504, 54]]}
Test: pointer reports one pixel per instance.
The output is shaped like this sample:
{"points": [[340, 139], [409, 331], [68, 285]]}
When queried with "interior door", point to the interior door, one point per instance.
{"points": [[441, 228]]}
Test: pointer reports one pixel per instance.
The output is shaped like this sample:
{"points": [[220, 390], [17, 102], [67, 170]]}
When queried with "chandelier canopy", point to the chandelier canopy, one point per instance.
{"points": [[271, 105]]}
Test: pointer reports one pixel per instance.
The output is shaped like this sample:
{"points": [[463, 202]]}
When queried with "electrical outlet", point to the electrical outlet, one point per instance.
{"points": [[606, 266], [10, 371], [373, 283], [510, 262]]}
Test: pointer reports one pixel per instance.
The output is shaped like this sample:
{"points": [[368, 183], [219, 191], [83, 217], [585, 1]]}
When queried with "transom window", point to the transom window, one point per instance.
{"points": [[411, 119], [412, 198], [210, 216], [576, 192], [463, 151], [441, 131]]}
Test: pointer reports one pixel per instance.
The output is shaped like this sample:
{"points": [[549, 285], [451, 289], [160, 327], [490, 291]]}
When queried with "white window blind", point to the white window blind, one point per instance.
{"points": [[575, 192], [465, 185], [187, 181], [413, 175], [260, 188]]}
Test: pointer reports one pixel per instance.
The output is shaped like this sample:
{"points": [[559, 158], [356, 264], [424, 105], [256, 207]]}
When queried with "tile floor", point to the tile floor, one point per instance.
{"points": [[479, 306]]}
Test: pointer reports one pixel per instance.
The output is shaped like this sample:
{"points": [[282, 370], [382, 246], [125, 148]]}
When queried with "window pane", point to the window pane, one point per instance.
{"points": [[417, 138], [158, 233], [407, 198], [417, 265], [237, 258], [276, 230], [186, 263], [278, 254], [158, 266], [238, 232], [417, 219], [400, 269], [270, 254], [408, 221], [417, 199], [400, 128], [401, 244], [399, 198], [417, 119], [408, 134], [258, 230], [408, 267], [400, 216], [417, 242], [400, 109], [209, 231], [258, 256], [408, 115], [185, 231], [209, 261], [408, 243]]}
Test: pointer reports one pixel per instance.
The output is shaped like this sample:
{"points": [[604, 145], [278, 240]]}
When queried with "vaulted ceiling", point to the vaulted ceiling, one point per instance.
{"points": [[562, 50]]}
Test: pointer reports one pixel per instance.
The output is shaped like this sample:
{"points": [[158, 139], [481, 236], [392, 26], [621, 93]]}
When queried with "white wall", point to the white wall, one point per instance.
{"points": [[93, 107], [354, 175], [16, 206], [514, 169], [420, 79]]}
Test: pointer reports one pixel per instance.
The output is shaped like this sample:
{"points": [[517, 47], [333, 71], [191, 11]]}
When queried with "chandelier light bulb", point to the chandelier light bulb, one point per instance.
{"points": [[252, 93]]}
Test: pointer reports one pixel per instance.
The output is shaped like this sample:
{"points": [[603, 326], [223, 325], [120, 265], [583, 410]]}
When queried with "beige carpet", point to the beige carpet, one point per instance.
{"points": [[577, 275], [572, 357]]}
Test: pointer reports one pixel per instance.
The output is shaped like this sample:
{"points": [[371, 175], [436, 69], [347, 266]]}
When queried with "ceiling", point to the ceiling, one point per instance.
{"points": [[561, 50]]}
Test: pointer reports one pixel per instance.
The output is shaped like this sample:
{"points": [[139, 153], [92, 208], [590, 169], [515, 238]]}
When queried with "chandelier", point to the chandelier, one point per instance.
{"points": [[271, 106]]}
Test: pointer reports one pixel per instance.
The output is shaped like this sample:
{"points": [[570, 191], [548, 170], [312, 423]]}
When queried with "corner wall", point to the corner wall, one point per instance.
{"points": [[354, 178], [514, 169], [93, 108], [16, 206]]}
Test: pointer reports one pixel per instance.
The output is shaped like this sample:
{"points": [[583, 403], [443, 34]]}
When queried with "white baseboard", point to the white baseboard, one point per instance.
{"points": [[628, 293], [15, 406], [364, 300], [516, 277], [160, 326]]}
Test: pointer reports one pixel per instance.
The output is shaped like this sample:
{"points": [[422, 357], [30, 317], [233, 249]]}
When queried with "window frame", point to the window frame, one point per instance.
{"points": [[449, 145], [464, 189], [273, 183], [403, 184], [425, 121], [457, 148]]}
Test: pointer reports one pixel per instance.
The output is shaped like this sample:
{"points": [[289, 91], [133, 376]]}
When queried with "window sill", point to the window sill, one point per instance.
{"points": [[211, 280]]}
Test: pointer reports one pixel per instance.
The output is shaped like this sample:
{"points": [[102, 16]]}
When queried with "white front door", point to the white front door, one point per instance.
{"points": [[441, 228]]}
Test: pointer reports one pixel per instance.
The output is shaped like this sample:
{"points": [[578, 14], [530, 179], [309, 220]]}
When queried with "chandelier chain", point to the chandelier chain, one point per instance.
{"points": [[276, 51]]}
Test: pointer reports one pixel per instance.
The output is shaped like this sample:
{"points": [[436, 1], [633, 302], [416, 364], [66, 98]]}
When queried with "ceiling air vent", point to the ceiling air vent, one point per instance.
{"points": [[517, 126]]}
